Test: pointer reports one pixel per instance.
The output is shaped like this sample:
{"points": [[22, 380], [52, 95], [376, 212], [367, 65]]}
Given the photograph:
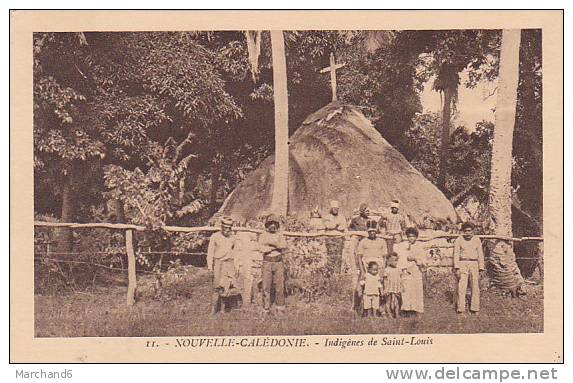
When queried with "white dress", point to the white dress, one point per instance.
{"points": [[412, 281]]}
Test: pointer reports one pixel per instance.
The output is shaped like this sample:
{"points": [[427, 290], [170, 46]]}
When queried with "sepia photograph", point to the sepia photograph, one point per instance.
{"points": [[238, 183]]}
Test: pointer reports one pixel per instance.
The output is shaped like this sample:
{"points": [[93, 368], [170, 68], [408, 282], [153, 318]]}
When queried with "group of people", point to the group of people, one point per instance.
{"points": [[239, 260], [388, 271]]}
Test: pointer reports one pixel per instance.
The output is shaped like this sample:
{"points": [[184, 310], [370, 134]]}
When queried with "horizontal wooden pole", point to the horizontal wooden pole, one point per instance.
{"points": [[315, 234], [97, 225]]}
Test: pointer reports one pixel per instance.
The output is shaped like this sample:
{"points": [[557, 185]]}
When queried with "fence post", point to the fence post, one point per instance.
{"points": [[131, 277]]}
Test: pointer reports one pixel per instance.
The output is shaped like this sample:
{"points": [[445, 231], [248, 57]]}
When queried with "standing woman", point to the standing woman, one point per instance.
{"points": [[412, 256]]}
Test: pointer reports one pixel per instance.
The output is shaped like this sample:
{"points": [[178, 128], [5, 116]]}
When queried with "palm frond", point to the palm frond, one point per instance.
{"points": [[254, 51]]}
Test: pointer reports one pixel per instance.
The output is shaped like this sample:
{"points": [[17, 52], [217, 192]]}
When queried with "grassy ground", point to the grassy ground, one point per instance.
{"points": [[102, 312]]}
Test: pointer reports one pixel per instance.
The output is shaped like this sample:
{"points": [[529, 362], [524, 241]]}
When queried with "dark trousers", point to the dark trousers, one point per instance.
{"points": [[273, 272]]}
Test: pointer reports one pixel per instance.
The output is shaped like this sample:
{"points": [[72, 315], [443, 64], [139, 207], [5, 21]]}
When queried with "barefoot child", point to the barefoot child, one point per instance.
{"points": [[392, 285], [468, 263], [371, 291]]}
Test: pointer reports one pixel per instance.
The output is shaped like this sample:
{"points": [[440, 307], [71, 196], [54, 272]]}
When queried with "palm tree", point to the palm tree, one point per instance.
{"points": [[453, 52], [447, 82], [279, 202], [501, 157], [505, 272]]}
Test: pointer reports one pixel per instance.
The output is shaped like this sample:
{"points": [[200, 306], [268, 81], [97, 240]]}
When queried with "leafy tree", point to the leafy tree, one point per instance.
{"points": [[115, 96], [64, 140], [470, 153], [381, 76]]}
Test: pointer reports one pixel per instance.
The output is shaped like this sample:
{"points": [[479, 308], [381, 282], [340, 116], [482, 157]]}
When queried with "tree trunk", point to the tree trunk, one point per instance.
{"points": [[65, 234], [116, 211], [215, 182], [445, 141], [505, 272], [501, 156], [279, 202]]}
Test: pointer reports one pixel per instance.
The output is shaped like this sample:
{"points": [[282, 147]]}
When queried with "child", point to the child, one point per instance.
{"points": [[371, 291], [392, 285], [468, 263]]}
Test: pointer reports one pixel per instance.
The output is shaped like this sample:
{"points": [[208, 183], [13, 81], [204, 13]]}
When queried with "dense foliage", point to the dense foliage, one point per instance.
{"points": [[168, 123]]}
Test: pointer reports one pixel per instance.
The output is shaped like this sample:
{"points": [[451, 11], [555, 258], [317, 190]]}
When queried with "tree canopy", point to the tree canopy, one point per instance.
{"points": [[170, 122]]}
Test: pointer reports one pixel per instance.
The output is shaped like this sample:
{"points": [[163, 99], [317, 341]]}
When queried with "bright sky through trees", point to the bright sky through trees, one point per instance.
{"points": [[473, 106]]}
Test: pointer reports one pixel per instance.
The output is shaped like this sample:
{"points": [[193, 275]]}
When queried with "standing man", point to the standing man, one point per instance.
{"points": [[273, 246], [220, 261], [395, 222], [468, 264], [335, 222]]}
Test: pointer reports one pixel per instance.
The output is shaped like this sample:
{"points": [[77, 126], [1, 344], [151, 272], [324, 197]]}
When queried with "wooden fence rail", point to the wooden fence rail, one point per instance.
{"points": [[303, 234], [129, 229]]}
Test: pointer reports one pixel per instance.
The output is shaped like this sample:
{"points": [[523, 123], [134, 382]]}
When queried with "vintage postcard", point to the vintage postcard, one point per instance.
{"points": [[286, 186]]}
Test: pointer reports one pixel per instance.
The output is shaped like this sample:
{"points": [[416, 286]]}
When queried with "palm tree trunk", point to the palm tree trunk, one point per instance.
{"points": [[501, 156], [505, 272], [279, 202], [445, 141]]}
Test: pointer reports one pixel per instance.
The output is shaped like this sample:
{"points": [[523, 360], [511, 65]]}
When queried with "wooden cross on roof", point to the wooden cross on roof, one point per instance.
{"points": [[332, 69]]}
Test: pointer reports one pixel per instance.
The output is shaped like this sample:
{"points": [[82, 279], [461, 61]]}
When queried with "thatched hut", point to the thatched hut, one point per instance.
{"points": [[337, 154]]}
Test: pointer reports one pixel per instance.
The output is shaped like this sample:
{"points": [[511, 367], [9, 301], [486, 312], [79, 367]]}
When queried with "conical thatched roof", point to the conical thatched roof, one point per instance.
{"points": [[337, 154]]}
